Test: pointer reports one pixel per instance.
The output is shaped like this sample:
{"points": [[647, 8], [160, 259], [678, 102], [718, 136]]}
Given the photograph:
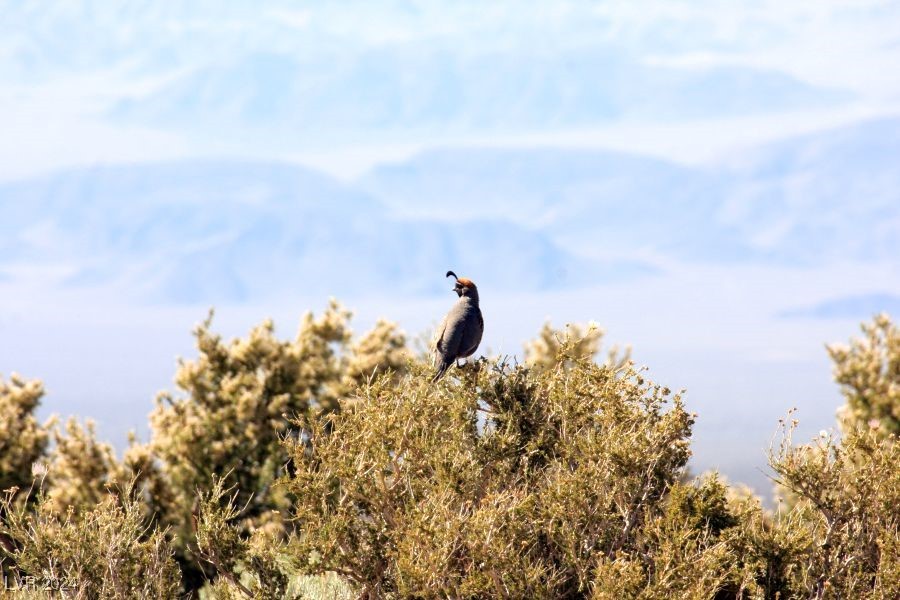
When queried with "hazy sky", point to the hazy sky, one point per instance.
{"points": [[501, 139], [87, 82]]}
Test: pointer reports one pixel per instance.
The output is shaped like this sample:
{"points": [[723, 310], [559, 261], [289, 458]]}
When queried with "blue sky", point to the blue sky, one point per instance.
{"points": [[713, 182]]}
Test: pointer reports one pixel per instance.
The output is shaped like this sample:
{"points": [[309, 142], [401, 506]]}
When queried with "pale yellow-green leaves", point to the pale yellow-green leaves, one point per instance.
{"points": [[845, 496], [105, 551], [507, 483], [236, 398], [582, 342], [328, 466], [22, 439], [868, 371], [82, 470]]}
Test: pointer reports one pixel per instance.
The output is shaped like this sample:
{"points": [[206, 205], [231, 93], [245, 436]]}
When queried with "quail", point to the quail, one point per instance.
{"points": [[460, 333]]}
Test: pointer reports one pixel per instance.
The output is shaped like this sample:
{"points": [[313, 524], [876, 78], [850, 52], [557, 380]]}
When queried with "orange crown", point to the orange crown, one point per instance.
{"points": [[466, 283]]}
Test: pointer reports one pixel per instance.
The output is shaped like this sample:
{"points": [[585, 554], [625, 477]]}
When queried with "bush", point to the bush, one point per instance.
{"points": [[106, 551], [846, 496], [82, 471], [22, 439], [228, 423], [868, 372], [328, 467], [509, 482], [583, 344]]}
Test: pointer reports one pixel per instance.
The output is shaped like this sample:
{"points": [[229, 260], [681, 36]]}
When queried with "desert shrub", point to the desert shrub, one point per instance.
{"points": [[583, 342], [766, 550], [868, 372], [677, 552], [228, 422], [329, 467], [561, 479], [704, 541], [846, 493], [261, 566], [106, 551], [836, 533], [23, 440], [82, 471], [254, 566], [380, 351], [508, 482]]}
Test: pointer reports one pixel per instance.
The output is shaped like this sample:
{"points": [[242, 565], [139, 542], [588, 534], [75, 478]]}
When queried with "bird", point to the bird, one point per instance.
{"points": [[460, 333]]}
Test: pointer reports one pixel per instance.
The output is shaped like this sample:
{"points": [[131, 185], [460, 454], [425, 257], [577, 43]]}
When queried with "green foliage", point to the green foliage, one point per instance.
{"points": [[329, 467], [846, 498], [22, 439], [868, 371], [229, 422], [509, 483], [766, 550], [382, 350], [581, 342], [677, 551], [83, 470], [253, 566], [102, 552]]}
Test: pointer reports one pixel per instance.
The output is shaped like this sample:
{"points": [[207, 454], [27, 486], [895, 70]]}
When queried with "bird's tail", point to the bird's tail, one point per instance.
{"points": [[442, 368]]}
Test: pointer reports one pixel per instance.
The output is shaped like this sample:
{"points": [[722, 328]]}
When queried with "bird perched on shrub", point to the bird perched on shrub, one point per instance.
{"points": [[460, 333]]}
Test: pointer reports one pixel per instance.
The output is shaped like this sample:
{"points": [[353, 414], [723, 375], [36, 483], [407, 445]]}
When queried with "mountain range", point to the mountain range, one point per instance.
{"points": [[226, 231], [829, 196]]}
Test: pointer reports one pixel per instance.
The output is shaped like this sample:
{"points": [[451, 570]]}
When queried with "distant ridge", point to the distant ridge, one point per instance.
{"points": [[207, 231]]}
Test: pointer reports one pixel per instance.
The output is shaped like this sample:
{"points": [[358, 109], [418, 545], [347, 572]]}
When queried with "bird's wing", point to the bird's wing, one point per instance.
{"points": [[438, 347], [473, 332], [453, 331]]}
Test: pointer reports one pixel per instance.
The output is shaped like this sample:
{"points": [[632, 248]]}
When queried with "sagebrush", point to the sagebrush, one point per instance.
{"points": [[328, 466]]}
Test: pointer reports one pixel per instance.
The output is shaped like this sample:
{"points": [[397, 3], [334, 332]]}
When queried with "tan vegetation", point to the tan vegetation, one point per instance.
{"points": [[327, 466]]}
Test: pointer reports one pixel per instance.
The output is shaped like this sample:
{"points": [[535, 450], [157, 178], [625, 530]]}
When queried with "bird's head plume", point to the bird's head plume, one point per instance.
{"points": [[463, 286]]}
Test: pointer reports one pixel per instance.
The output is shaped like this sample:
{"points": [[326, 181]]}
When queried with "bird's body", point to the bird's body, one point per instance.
{"points": [[460, 333]]}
